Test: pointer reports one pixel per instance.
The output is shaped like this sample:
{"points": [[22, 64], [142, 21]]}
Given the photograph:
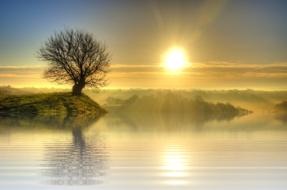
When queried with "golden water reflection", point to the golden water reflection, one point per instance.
{"points": [[175, 165], [115, 155]]}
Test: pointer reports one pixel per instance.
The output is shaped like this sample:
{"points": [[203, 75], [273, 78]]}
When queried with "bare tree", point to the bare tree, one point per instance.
{"points": [[75, 57]]}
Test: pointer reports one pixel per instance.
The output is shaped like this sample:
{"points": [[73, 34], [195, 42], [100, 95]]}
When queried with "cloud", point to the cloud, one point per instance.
{"points": [[23, 76], [208, 68], [211, 74], [21, 71], [203, 75]]}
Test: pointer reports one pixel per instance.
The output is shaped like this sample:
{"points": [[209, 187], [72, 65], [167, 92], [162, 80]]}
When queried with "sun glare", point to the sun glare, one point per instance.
{"points": [[175, 165], [175, 59]]}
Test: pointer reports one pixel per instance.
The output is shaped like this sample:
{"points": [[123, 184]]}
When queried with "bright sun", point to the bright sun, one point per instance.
{"points": [[175, 59]]}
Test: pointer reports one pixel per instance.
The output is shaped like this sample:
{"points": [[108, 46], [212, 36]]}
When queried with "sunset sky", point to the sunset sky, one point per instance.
{"points": [[227, 43]]}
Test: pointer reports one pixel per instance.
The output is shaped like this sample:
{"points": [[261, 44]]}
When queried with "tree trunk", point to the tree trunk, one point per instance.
{"points": [[77, 88]]}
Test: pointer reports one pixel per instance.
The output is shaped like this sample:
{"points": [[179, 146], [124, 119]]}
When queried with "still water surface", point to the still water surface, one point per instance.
{"points": [[117, 153]]}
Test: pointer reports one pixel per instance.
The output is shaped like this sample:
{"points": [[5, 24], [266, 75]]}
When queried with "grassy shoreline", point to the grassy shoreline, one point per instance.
{"points": [[49, 104]]}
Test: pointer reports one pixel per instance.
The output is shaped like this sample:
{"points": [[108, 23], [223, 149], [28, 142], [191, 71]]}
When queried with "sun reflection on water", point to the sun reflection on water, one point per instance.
{"points": [[175, 165]]}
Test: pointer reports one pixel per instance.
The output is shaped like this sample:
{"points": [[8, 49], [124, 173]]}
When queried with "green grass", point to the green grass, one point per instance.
{"points": [[50, 104]]}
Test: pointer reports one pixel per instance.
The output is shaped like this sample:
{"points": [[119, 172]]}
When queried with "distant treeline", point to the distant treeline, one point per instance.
{"points": [[172, 103], [257, 101]]}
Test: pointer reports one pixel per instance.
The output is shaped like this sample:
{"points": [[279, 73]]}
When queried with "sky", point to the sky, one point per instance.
{"points": [[228, 43]]}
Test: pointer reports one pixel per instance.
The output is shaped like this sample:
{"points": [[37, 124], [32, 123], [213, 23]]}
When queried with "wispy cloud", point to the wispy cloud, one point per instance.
{"points": [[197, 75], [208, 68]]}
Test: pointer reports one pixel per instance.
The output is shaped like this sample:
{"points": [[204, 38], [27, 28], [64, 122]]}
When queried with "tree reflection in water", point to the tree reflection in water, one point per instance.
{"points": [[79, 162]]}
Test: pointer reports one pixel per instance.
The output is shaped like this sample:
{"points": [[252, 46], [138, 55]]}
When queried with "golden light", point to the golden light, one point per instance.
{"points": [[175, 60], [175, 165]]}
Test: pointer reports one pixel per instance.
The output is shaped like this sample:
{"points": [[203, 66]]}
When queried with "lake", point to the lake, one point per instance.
{"points": [[117, 152]]}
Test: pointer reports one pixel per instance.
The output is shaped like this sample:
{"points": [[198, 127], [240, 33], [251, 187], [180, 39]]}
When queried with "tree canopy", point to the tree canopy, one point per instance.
{"points": [[77, 58]]}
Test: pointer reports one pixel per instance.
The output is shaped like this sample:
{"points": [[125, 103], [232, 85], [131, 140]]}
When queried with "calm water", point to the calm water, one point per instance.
{"points": [[146, 153]]}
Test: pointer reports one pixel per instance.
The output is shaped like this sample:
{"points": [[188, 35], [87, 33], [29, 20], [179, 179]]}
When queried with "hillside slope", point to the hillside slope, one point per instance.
{"points": [[50, 104]]}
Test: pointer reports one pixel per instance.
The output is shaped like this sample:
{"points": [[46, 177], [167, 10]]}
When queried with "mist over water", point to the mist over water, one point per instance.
{"points": [[146, 152]]}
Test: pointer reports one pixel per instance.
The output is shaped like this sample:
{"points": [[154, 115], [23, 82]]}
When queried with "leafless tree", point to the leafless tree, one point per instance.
{"points": [[75, 57]]}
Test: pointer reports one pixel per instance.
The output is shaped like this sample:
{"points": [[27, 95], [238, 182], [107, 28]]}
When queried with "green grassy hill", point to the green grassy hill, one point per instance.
{"points": [[50, 104]]}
